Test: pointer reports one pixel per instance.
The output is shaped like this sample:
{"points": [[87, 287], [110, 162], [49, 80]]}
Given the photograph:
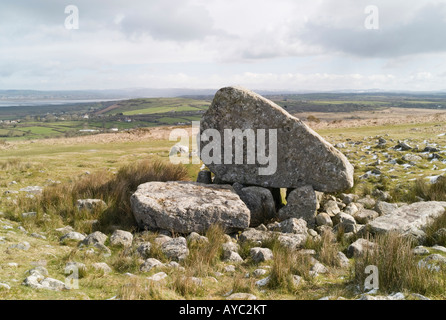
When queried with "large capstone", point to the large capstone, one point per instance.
{"points": [[185, 207], [247, 138]]}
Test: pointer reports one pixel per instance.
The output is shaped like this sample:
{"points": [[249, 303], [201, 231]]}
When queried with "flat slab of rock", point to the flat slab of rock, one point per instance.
{"points": [[409, 218], [186, 207], [303, 156]]}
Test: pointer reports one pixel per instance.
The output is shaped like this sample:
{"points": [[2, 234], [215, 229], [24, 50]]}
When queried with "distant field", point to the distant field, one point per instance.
{"points": [[69, 120], [158, 105]]}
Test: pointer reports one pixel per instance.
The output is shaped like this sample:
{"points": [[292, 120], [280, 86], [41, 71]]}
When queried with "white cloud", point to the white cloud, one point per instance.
{"points": [[283, 44]]}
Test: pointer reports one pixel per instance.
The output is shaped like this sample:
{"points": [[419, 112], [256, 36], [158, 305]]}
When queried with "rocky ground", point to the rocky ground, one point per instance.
{"points": [[41, 258]]}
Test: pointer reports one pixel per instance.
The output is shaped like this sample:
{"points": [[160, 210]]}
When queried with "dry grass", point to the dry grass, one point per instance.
{"points": [[329, 248], [286, 264], [126, 261], [431, 229], [140, 289], [59, 201], [398, 268], [185, 286], [240, 284], [204, 256], [421, 189]]}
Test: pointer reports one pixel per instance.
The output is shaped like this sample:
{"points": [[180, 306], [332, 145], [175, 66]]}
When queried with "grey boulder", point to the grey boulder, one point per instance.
{"points": [[186, 207], [301, 203], [175, 249], [260, 202], [409, 219], [303, 156], [121, 238]]}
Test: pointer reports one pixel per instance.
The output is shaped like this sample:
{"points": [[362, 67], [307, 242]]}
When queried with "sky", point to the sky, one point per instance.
{"points": [[279, 45]]}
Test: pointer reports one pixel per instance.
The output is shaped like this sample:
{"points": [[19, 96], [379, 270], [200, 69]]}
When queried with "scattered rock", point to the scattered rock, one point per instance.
{"points": [[259, 272], [351, 209], [38, 270], [64, 230], [204, 177], [297, 280], [409, 219], [175, 249], [196, 238], [342, 260], [32, 190], [90, 204], [293, 225], [53, 284], [420, 250], [144, 250], [367, 202], [4, 286], [411, 157], [290, 240], [259, 255], [121, 238], [385, 208], [301, 204], [38, 280], [20, 246], [318, 268], [106, 251], [359, 247], [440, 235], [37, 236], [346, 222], [175, 265], [186, 207], [324, 219], [263, 282], [403, 146], [349, 198], [331, 208], [20, 228], [229, 269], [26, 215], [230, 246], [231, 256], [93, 238], [241, 296], [102, 266], [434, 262], [382, 195], [158, 277], [73, 235], [439, 248], [260, 203], [419, 296], [161, 239], [365, 216], [149, 264]]}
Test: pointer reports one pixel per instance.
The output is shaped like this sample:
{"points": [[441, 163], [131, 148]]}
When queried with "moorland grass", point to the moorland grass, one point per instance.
{"points": [[59, 200], [398, 267]]}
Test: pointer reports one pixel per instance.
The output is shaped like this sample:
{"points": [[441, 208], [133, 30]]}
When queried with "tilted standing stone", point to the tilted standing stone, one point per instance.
{"points": [[303, 156]]}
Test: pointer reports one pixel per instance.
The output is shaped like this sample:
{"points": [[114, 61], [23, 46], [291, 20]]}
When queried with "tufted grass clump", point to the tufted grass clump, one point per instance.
{"points": [[204, 256], [287, 263], [398, 267], [432, 237], [59, 200]]}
